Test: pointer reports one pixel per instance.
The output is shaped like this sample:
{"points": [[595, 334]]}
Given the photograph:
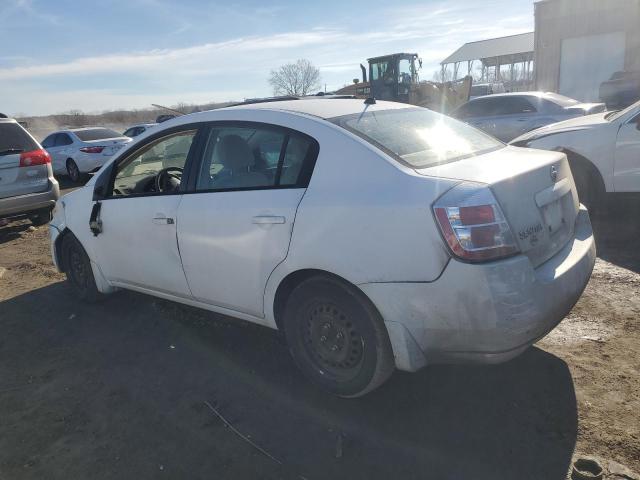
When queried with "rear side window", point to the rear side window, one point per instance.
{"points": [[475, 108], [247, 157], [417, 137], [14, 138], [96, 134], [63, 139], [511, 106]]}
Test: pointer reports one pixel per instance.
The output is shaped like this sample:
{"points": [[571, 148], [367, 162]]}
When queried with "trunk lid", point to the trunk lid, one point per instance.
{"points": [[535, 190]]}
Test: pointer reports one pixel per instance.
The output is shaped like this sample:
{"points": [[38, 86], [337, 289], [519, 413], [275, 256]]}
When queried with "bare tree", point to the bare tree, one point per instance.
{"points": [[299, 78]]}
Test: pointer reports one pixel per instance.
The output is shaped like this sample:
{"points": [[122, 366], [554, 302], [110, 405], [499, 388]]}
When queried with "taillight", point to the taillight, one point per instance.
{"points": [[34, 157], [92, 149], [472, 223]]}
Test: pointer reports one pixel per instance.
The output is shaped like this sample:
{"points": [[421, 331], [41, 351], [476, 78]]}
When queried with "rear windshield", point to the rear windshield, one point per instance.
{"points": [[96, 134], [561, 99], [14, 138], [418, 137], [478, 90]]}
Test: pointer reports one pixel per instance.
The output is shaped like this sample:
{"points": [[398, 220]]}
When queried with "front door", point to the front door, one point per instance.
{"points": [[138, 245], [627, 157], [235, 229]]}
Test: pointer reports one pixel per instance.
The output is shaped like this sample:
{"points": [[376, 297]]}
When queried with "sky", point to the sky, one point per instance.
{"points": [[64, 55]]}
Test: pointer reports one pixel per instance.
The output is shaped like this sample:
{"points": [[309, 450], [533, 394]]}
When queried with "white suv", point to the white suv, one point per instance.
{"points": [[376, 236]]}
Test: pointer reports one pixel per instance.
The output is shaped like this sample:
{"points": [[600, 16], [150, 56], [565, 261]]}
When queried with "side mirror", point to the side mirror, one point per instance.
{"points": [[101, 187]]}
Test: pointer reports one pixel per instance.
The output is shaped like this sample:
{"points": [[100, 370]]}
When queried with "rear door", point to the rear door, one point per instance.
{"points": [[627, 157], [235, 228], [15, 179]]}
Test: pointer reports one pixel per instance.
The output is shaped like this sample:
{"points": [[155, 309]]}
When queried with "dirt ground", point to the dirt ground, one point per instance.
{"points": [[119, 390]]}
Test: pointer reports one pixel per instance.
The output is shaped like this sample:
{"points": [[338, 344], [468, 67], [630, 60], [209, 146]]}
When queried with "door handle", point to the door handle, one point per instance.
{"points": [[163, 221], [268, 219]]}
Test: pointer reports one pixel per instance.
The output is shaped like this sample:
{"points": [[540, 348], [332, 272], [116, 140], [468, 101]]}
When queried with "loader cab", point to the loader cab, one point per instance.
{"points": [[391, 76]]}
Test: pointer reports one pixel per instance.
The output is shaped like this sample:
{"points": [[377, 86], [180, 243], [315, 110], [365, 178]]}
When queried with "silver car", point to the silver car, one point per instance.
{"points": [[78, 151], [27, 186], [509, 115]]}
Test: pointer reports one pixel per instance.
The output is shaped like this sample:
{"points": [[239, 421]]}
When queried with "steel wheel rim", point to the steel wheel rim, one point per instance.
{"points": [[74, 172], [332, 341], [77, 268]]}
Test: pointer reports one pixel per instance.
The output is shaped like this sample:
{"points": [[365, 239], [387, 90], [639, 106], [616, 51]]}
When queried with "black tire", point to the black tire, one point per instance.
{"points": [[77, 266], [337, 337], [589, 191], [41, 217], [73, 171]]}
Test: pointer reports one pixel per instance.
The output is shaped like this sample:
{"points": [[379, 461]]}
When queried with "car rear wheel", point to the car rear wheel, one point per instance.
{"points": [[42, 217], [78, 269], [73, 171], [337, 338]]}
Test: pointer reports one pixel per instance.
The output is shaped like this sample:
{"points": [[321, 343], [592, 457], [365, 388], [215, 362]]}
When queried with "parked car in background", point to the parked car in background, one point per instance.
{"points": [[77, 151], [603, 151], [482, 89], [136, 130], [508, 115], [27, 186], [621, 90], [375, 235]]}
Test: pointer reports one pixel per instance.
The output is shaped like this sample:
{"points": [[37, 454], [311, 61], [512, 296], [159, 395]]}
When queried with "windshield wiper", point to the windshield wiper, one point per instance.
{"points": [[9, 151]]}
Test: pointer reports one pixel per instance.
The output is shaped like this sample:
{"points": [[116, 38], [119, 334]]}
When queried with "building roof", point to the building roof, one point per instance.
{"points": [[494, 47]]}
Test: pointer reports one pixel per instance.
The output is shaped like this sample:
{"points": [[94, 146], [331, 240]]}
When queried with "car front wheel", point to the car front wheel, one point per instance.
{"points": [[78, 269], [337, 338]]}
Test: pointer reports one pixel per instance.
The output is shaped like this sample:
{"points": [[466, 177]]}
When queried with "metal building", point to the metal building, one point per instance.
{"points": [[581, 43], [505, 59]]}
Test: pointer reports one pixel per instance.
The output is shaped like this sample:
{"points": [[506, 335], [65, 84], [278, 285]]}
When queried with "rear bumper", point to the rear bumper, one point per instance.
{"points": [[31, 202], [90, 162], [484, 313]]}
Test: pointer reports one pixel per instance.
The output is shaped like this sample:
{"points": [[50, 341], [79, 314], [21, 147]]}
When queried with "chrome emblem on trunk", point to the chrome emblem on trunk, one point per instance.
{"points": [[554, 173]]}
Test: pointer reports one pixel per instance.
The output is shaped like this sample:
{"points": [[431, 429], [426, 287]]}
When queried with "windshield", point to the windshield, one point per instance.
{"points": [[419, 137], [96, 134], [611, 116]]}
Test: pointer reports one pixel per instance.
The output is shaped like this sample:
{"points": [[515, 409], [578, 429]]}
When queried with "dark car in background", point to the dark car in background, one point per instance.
{"points": [[509, 115], [621, 90], [27, 186]]}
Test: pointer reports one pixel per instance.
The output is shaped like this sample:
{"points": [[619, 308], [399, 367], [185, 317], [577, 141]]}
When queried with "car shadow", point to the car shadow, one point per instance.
{"points": [[13, 230], [617, 230], [129, 379]]}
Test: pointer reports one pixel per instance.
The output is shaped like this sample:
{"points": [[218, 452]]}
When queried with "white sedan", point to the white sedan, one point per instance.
{"points": [[376, 236], [603, 151], [78, 151]]}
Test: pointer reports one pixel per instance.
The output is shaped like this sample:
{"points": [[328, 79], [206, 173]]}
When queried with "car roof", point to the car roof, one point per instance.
{"points": [[516, 94], [319, 107]]}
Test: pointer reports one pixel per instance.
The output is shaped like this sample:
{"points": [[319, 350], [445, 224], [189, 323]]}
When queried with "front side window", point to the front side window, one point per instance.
{"points": [[237, 158], [417, 137], [50, 141], [156, 168]]}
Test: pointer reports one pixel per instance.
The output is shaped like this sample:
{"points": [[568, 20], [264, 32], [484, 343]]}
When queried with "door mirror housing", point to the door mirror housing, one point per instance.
{"points": [[103, 182]]}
